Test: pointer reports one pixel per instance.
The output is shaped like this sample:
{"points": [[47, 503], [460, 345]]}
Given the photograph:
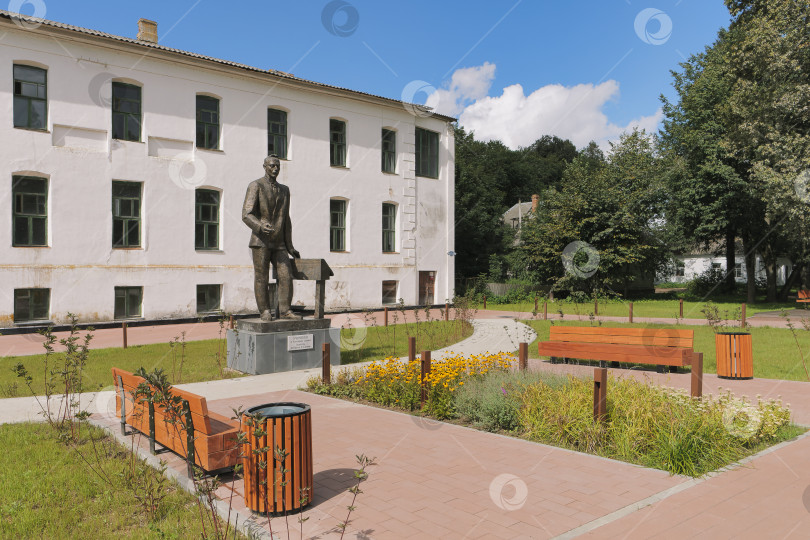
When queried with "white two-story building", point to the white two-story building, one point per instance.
{"points": [[125, 164]]}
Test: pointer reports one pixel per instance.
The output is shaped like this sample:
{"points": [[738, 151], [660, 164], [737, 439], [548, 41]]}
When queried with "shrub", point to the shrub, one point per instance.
{"points": [[705, 283], [492, 403], [651, 425]]}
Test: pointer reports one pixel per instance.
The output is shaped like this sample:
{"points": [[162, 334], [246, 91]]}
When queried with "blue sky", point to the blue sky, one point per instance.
{"points": [[578, 69]]}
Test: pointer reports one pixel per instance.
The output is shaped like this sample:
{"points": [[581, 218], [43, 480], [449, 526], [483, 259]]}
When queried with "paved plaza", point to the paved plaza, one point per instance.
{"points": [[440, 480]]}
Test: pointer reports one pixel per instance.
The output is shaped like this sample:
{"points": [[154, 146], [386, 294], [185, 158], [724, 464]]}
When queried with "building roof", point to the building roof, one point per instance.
{"points": [[35, 22], [520, 209]]}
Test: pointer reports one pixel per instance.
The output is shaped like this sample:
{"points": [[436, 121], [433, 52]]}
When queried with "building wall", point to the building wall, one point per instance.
{"points": [[695, 265], [80, 160]]}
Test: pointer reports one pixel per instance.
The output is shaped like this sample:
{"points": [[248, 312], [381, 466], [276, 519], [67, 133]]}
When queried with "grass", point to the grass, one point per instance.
{"points": [[642, 308], [377, 342], [776, 355], [48, 491], [199, 362]]}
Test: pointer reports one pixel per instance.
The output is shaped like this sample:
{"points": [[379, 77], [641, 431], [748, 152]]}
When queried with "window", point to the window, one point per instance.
{"points": [[389, 292], [738, 270], [389, 151], [30, 97], [208, 298], [680, 269], [31, 305], [716, 266], [128, 302], [389, 223], [206, 219], [427, 153], [126, 210], [126, 112], [277, 133], [207, 122], [337, 225], [337, 143], [30, 211]]}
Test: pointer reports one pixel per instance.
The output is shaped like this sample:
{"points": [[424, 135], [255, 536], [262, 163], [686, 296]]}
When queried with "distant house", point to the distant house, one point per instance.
{"points": [[688, 266], [515, 216]]}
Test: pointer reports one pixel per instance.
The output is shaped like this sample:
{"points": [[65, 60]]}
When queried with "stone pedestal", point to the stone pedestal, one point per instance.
{"points": [[258, 347]]}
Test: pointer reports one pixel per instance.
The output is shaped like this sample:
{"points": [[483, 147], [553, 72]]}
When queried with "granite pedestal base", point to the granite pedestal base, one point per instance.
{"points": [[258, 347]]}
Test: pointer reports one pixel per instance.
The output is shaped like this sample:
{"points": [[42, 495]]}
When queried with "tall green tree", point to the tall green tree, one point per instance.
{"points": [[603, 220], [739, 135]]}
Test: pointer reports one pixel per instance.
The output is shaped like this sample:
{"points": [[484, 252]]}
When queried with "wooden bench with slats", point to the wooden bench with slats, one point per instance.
{"points": [[211, 439], [804, 296], [656, 346]]}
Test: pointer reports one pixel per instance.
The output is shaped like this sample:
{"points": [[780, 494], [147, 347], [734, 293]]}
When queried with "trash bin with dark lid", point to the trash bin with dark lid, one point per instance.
{"points": [[278, 457], [735, 357]]}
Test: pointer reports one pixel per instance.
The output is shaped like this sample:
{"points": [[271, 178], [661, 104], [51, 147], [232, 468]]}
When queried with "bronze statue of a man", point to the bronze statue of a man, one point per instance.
{"points": [[267, 212]]}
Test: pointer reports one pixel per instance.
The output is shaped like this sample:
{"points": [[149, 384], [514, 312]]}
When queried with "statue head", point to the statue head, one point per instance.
{"points": [[272, 165]]}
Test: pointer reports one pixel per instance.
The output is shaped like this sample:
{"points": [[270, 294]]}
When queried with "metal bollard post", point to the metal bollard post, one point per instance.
{"points": [[326, 370]]}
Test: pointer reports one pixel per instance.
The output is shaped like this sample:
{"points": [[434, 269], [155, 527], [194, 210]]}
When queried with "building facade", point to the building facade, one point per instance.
{"points": [[125, 165]]}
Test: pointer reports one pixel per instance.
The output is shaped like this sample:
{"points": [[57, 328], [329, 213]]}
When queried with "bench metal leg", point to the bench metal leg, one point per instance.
{"points": [[123, 397], [602, 364], [190, 457]]}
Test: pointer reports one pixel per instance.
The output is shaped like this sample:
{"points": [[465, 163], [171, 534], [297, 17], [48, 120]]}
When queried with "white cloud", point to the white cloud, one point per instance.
{"points": [[465, 87], [518, 119]]}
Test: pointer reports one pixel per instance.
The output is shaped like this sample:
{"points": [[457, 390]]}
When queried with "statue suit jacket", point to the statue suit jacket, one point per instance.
{"points": [[268, 202]]}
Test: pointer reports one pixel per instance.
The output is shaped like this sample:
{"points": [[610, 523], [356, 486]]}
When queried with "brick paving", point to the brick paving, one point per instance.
{"points": [[438, 480]]}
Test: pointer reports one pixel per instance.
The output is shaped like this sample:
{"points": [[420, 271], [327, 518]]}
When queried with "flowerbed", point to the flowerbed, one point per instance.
{"points": [[648, 425]]}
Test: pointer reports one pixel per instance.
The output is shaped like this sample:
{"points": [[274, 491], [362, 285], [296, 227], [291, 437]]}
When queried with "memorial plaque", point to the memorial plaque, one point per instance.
{"points": [[299, 342]]}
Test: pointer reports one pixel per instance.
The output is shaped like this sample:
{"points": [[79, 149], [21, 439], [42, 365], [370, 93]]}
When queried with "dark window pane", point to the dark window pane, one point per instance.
{"points": [[38, 112], [21, 231], [30, 74], [39, 231], [20, 112], [199, 236], [118, 126], [118, 232]]}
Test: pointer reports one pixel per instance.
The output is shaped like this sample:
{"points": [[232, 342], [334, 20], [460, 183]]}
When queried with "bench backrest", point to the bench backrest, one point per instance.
{"points": [[804, 294], [197, 404], [650, 337]]}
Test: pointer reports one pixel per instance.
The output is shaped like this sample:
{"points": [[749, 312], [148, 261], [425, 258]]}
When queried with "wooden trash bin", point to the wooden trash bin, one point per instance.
{"points": [[288, 487], [735, 359]]}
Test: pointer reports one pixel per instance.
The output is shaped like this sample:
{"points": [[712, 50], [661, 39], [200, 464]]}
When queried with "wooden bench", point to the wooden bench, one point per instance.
{"points": [[804, 296], [657, 346], [212, 437]]}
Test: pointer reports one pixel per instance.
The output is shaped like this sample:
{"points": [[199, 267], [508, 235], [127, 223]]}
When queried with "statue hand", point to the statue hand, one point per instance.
{"points": [[266, 228], [295, 254]]}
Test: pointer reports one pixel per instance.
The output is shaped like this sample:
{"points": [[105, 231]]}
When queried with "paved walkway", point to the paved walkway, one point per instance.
{"points": [[28, 344], [438, 480]]}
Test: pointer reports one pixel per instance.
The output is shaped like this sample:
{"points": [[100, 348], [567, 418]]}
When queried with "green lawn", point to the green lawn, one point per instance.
{"points": [[377, 342], [48, 491], [199, 363], [642, 308], [776, 355], [203, 360]]}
